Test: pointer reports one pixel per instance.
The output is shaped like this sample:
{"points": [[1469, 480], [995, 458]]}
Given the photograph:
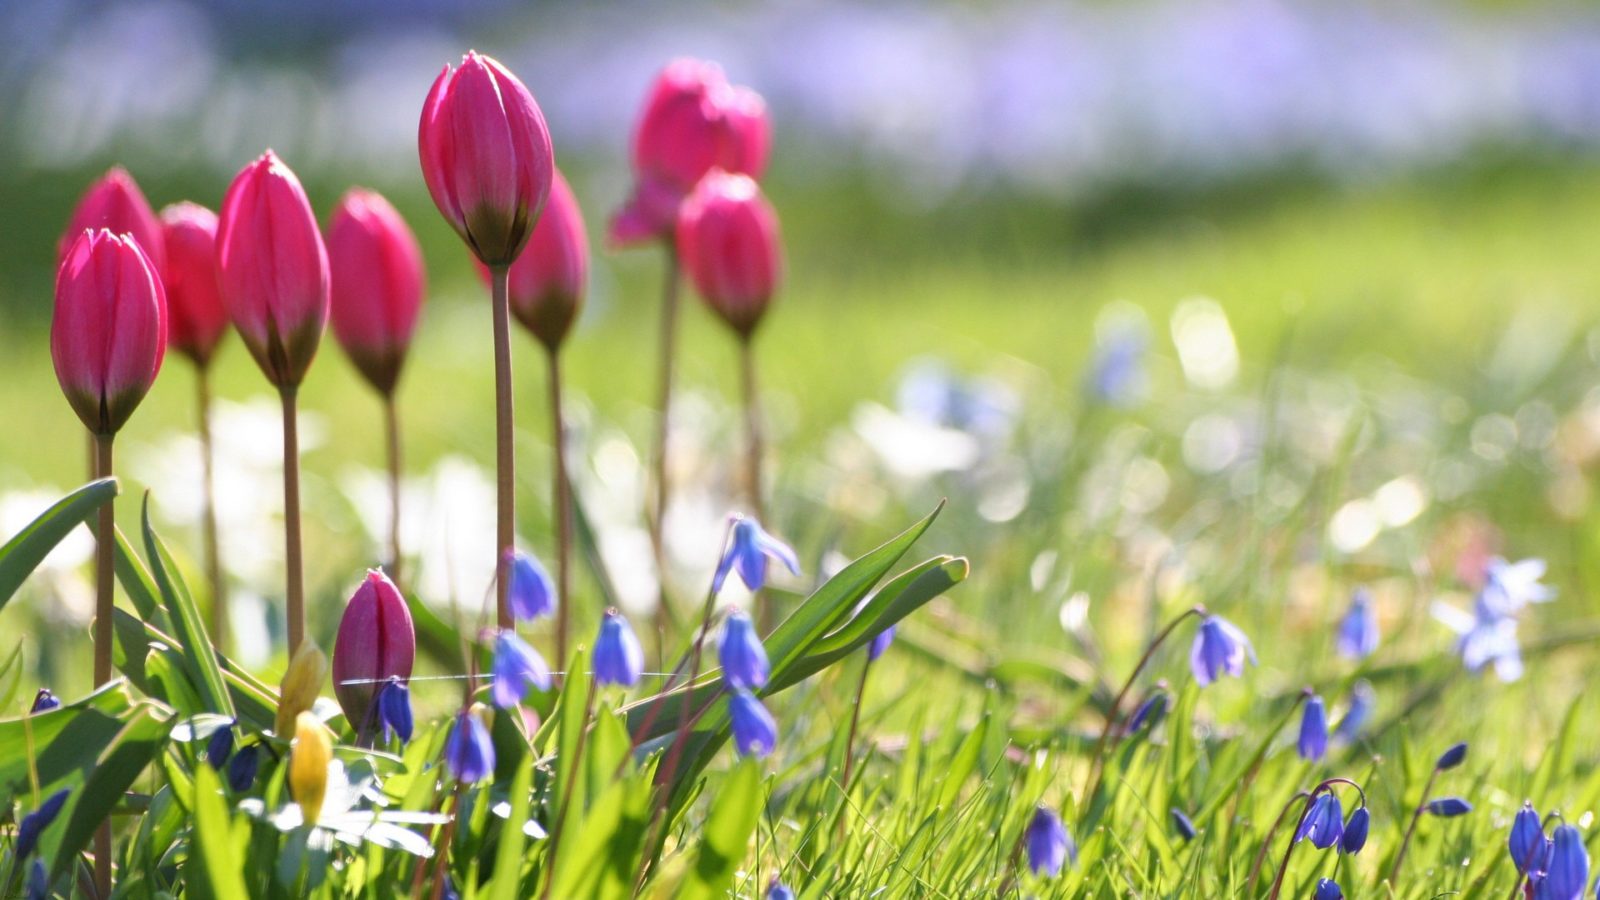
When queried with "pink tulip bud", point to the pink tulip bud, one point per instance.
{"points": [[376, 642], [196, 316], [549, 278], [728, 240], [115, 203], [273, 268], [110, 328], [377, 284], [486, 156], [693, 121]]}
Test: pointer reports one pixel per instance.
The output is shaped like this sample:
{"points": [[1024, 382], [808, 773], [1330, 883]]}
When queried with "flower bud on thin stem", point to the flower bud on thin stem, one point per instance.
{"points": [[1305, 810], [1405, 842], [1101, 745]]}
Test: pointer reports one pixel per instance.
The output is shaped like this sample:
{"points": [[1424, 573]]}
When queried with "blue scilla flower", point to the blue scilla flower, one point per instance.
{"points": [[748, 555], [516, 667], [44, 701], [1048, 844], [1358, 632], [468, 751], [1510, 586], [33, 824], [1150, 712], [243, 767], [394, 710], [777, 890], [220, 746], [618, 658], [531, 593], [1448, 807], [1452, 757], [1527, 838], [744, 660], [1355, 831], [1567, 874], [1362, 700], [1323, 824], [1182, 824], [931, 393], [1328, 889], [1484, 637], [755, 732], [1220, 648], [38, 882], [1117, 372], [1313, 742], [880, 644]]}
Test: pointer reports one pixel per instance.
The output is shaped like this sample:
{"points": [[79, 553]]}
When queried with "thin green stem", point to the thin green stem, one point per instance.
{"points": [[221, 621], [391, 427], [1305, 810], [1405, 843], [565, 808]]}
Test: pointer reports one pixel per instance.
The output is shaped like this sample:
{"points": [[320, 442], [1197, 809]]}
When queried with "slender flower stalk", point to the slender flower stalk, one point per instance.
{"points": [[505, 455], [221, 621], [1308, 804], [1101, 744], [294, 564], [666, 363], [1449, 760], [561, 493], [752, 440], [391, 430]]}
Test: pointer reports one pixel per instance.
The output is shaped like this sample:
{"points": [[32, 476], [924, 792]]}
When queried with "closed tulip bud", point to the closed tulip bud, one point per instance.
{"points": [[376, 642], [196, 316], [309, 757], [1355, 831], [115, 203], [728, 240], [618, 657], [486, 156], [743, 658], [376, 282], [693, 121], [547, 282], [273, 269], [300, 686], [109, 331]]}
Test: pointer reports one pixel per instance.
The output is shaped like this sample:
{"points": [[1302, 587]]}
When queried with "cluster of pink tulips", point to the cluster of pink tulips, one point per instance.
{"points": [[131, 282]]}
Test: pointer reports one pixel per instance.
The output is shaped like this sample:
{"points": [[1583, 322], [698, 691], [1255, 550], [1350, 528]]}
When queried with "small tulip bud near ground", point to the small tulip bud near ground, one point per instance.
{"points": [[309, 756], [109, 331], [301, 684], [376, 285], [377, 641], [115, 203], [486, 156]]}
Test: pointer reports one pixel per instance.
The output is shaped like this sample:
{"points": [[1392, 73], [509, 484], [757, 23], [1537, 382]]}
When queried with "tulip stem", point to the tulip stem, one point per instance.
{"points": [[505, 463], [294, 577], [561, 495], [104, 583], [220, 620], [752, 458], [669, 344], [391, 427], [1405, 843], [1116, 702]]}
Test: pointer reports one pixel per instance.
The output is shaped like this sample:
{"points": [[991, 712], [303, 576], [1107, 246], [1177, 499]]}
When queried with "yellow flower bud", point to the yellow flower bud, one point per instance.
{"points": [[300, 686], [309, 757]]}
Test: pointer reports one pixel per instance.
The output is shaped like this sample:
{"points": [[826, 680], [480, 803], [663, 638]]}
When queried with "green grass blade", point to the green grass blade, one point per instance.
{"points": [[189, 629], [23, 553]]}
